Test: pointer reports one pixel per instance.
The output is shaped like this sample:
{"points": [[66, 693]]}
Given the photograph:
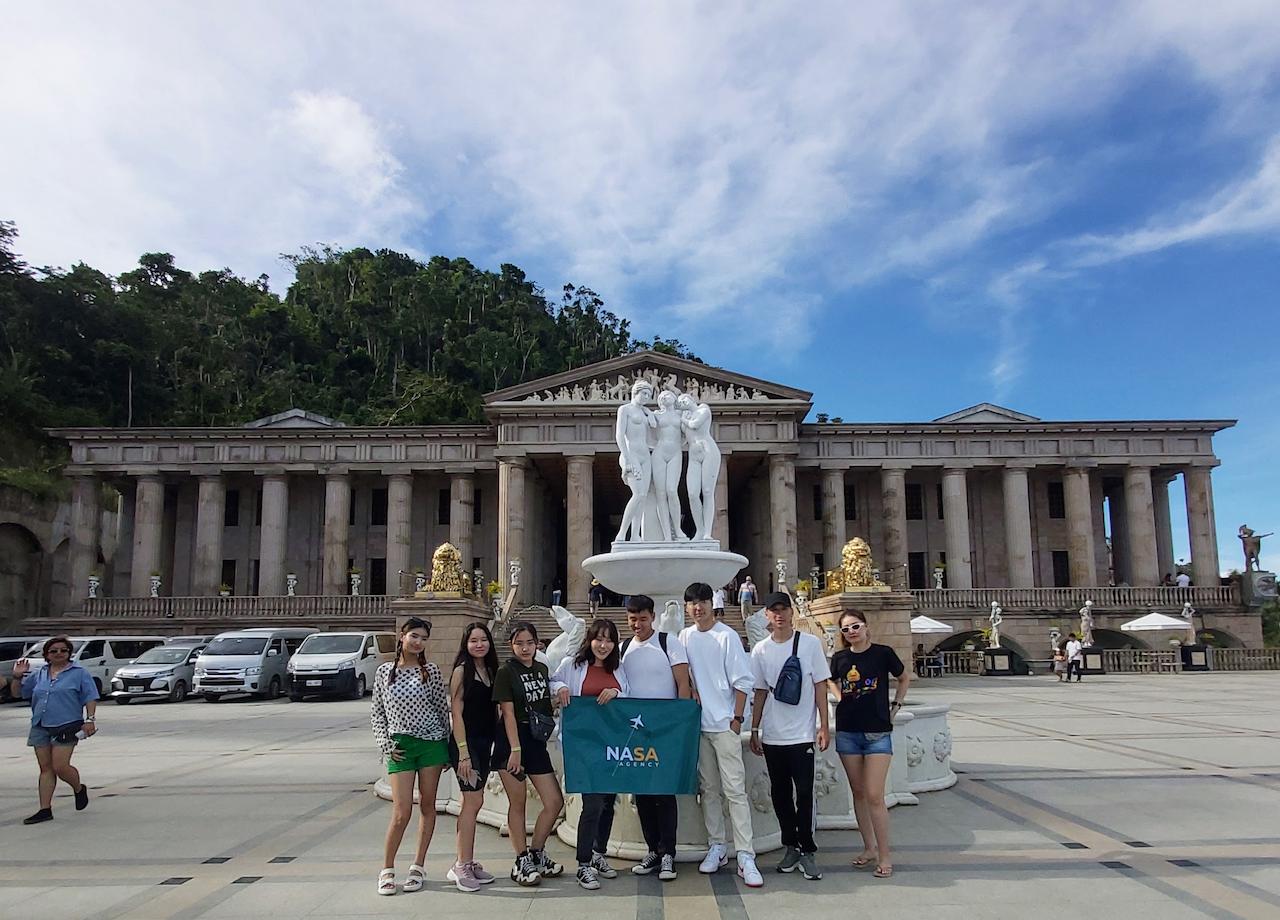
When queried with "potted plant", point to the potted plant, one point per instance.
{"points": [[224, 590], [802, 587], [494, 588]]}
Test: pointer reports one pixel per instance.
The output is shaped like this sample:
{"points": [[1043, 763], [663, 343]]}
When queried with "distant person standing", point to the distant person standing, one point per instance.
{"points": [[722, 678], [746, 596], [596, 596], [717, 602], [1183, 580], [1075, 657]]}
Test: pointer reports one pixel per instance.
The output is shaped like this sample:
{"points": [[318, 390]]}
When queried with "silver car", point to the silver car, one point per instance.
{"points": [[163, 672]]}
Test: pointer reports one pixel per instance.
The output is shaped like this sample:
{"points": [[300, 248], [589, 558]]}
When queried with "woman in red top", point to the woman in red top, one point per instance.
{"points": [[596, 670]]}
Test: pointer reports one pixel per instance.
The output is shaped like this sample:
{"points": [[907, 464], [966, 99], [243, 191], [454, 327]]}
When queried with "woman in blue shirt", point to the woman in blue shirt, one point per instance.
{"points": [[63, 699]]}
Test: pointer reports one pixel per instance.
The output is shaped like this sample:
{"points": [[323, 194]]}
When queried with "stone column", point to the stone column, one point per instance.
{"points": [[211, 507], [399, 509], [720, 526], [1164, 523], [337, 531], [1143, 568], [782, 514], [1017, 528], [833, 529], [273, 535], [893, 512], [1078, 496], [85, 512], [511, 512], [580, 514], [148, 520], [462, 502], [955, 504], [1201, 526]]}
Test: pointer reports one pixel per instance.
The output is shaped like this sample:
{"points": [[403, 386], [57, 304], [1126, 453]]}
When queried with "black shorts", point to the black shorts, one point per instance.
{"points": [[480, 750], [535, 760]]}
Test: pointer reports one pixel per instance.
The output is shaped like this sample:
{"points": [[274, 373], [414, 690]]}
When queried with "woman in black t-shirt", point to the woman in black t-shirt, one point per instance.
{"points": [[860, 673], [522, 686], [475, 725]]}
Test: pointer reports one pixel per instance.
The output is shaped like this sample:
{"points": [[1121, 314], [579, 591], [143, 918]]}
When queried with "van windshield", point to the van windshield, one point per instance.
{"points": [[162, 654], [331, 645], [236, 645], [37, 650]]}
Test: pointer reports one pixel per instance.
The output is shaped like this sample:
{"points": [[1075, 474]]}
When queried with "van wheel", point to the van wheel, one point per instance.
{"points": [[97, 683], [213, 697], [359, 691], [273, 689], [178, 693]]}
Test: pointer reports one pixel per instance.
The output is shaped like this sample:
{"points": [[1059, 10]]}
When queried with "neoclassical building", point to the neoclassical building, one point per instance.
{"points": [[1036, 514]]}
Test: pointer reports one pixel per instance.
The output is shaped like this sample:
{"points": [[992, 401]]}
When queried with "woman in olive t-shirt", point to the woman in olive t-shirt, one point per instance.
{"points": [[521, 685]]}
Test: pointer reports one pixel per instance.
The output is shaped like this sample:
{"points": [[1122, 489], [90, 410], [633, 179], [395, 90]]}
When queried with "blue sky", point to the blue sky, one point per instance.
{"points": [[1070, 209]]}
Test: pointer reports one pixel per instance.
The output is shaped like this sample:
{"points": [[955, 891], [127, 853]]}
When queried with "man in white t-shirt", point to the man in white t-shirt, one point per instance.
{"points": [[717, 603], [1183, 580], [1075, 657], [657, 669], [784, 733], [721, 673]]}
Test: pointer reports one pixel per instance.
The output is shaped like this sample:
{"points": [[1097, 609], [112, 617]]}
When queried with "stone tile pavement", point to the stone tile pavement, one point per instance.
{"points": [[1131, 796]]}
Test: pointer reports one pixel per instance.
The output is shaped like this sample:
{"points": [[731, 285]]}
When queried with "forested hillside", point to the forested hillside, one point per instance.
{"points": [[374, 338]]}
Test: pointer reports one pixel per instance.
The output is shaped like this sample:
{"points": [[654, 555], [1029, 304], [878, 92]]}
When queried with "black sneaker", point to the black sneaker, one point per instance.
{"points": [[647, 865], [587, 878], [668, 871], [546, 866], [82, 797], [602, 867], [44, 814], [525, 870]]}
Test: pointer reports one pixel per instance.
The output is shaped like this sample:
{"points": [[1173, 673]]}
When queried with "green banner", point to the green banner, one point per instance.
{"points": [[648, 747]]}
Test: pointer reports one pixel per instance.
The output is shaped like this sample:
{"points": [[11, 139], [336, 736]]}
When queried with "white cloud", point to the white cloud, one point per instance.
{"points": [[738, 157]]}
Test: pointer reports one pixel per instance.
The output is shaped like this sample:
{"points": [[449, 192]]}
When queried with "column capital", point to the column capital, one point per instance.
{"points": [[209, 477], [1022, 466], [520, 462], [1137, 468], [896, 466], [399, 477], [954, 470], [149, 477]]}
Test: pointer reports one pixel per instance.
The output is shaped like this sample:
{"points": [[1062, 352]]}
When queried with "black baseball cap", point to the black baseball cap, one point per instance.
{"points": [[777, 599]]}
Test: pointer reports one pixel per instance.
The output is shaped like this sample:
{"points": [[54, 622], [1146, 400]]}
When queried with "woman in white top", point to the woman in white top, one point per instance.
{"points": [[596, 671]]}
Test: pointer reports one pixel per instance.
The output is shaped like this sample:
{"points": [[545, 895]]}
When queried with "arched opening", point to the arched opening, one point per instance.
{"points": [[1218, 638], [954, 642], [1111, 638], [20, 563]]}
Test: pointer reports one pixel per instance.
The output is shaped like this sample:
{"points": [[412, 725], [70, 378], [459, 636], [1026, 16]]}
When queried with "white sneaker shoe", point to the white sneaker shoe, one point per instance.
{"points": [[716, 859], [747, 870]]}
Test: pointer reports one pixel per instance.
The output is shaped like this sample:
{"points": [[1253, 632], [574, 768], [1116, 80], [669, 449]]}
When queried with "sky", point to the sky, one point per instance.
{"points": [[1070, 209]]}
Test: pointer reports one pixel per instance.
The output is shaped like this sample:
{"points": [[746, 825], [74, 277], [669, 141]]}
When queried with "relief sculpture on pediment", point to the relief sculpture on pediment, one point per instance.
{"points": [[611, 391]]}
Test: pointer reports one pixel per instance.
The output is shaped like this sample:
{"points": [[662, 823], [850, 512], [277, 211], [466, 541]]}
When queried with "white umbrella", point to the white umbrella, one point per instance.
{"points": [[923, 624], [1153, 621]]}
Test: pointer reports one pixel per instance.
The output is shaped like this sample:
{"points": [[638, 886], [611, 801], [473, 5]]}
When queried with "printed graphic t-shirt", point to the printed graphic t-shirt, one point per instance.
{"points": [[863, 679], [534, 688]]}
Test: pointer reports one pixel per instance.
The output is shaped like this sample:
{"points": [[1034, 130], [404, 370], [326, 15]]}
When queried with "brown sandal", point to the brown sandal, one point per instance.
{"points": [[864, 860], [883, 871]]}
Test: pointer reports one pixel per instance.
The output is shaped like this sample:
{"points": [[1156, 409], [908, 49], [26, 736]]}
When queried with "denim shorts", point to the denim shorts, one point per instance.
{"points": [[39, 737], [864, 743]]}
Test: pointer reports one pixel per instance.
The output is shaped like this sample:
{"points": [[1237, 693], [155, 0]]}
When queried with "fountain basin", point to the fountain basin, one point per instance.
{"points": [[664, 570]]}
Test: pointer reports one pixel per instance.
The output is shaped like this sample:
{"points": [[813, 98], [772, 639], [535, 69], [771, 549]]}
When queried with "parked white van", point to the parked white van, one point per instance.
{"points": [[102, 656], [338, 663], [247, 661]]}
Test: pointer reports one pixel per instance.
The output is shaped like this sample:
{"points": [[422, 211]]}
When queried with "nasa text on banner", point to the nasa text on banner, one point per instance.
{"points": [[648, 747]]}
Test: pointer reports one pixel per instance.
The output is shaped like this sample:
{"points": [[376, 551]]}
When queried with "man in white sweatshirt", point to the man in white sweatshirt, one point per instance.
{"points": [[722, 678]]}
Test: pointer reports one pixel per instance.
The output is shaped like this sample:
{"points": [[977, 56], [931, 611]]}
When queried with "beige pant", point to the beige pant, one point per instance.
{"points": [[722, 775]]}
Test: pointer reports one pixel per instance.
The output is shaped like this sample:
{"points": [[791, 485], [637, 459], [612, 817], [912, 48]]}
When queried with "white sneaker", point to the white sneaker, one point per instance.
{"points": [[716, 859], [747, 870]]}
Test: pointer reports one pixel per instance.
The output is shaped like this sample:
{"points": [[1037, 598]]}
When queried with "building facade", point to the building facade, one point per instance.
{"points": [[984, 498]]}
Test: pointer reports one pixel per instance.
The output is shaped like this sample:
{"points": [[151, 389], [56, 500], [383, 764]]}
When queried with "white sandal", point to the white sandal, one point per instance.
{"points": [[417, 876], [387, 881]]}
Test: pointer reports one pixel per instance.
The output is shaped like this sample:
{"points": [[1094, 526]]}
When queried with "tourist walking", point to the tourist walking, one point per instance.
{"points": [[475, 725], [410, 718], [1075, 657], [594, 671], [1060, 662], [523, 691], [860, 672], [657, 669], [746, 596], [64, 705], [721, 675], [717, 602], [791, 673]]}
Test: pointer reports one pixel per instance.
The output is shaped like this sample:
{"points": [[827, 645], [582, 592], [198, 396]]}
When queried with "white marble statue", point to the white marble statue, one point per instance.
{"points": [[668, 460], [632, 437], [572, 631], [704, 465], [1189, 614], [291, 584], [757, 627], [94, 583], [672, 619], [1055, 636], [938, 575], [996, 618], [1086, 624]]}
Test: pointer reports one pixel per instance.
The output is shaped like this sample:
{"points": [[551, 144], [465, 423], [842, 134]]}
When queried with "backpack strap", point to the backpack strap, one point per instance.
{"points": [[626, 643], [795, 643], [662, 640]]}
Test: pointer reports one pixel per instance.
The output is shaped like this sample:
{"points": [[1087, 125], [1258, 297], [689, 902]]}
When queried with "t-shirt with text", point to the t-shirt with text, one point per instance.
{"points": [[863, 679], [534, 688]]}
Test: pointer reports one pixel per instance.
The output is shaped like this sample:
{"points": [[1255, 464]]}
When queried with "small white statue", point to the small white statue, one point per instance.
{"points": [[155, 585], [513, 573], [757, 627], [355, 584], [1086, 624], [94, 583], [419, 582], [1055, 636], [704, 465], [572, 631], [996, 618], [672, 619], [290, 584], [1188, 614], [937, 579], [780, 567], [631, 433]]}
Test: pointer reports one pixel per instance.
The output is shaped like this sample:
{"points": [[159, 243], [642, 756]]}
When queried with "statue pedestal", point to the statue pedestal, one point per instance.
{"points": [[1092, 660], [1195, 658], [888, 615], [1257, 587], [998, 662], [447, 613]]}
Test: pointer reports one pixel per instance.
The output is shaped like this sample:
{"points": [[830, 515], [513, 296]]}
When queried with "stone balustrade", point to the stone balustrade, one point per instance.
{"points": [[1122, 598], [246, 608]]}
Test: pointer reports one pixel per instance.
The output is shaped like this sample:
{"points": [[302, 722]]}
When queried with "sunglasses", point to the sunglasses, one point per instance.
{"points": [[60, 650], [853, 627]]}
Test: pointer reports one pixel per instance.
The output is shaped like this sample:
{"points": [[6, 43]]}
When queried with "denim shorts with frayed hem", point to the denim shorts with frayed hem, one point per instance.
{"points": [[862, 743], [39, 737]]}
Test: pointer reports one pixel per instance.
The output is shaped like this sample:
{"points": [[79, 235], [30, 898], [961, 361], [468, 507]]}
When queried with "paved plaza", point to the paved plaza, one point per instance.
{"points": [[1123, 796]]}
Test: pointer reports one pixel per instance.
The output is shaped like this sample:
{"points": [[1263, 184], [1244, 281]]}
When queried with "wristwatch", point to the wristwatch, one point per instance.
{"points": [[737, 719], [91, 718]]}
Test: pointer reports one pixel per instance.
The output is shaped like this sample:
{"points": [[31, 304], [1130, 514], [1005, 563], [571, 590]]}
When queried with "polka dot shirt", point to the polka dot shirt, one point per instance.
{"points": [[408, 706]]}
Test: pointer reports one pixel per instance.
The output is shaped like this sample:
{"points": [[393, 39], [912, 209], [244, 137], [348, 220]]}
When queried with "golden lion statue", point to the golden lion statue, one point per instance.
{"points": [[856, 569], [446, 570]]}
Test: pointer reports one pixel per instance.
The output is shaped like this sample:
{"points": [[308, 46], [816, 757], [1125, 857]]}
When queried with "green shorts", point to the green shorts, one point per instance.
{"points": [[418, 754]]}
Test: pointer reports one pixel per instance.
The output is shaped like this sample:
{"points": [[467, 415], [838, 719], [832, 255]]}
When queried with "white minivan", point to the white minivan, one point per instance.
{"points": [[338, 663], [102, 656], [247, 661]]}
